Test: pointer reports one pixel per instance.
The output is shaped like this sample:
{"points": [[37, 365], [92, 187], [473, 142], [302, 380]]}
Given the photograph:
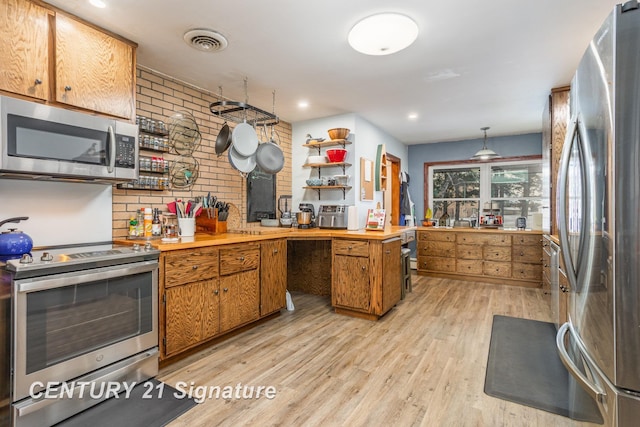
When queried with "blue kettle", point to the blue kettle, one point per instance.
{"points": [[14, 243]]}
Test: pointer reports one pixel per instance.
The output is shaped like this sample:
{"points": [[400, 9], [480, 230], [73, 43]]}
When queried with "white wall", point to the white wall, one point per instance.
{"points": [[365, 138], [60, 213]]}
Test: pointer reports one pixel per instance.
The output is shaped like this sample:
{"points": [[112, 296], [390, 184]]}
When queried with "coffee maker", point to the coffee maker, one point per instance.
{"points": [[307, 207]]}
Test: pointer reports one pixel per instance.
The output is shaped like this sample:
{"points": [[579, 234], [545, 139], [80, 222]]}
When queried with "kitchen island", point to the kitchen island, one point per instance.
{"points": [[504, 256], [213, 284]]}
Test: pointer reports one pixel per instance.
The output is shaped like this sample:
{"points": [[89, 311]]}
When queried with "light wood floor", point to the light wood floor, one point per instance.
{"points": [[421, 364]]}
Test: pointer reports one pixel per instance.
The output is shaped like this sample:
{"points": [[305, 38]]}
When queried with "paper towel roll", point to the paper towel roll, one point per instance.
{"points": [[352, 218]]}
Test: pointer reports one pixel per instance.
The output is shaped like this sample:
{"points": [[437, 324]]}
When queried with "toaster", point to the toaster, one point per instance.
{"points": [[333, 216]]}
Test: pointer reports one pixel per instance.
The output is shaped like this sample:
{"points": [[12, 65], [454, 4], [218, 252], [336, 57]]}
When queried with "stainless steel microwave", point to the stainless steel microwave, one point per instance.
{"points": [[40, 139]]}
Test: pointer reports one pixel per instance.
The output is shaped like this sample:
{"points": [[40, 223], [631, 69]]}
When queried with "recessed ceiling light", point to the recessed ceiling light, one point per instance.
{"points": [[412, 116], [98, 3], [303, 104], [383, 34]]}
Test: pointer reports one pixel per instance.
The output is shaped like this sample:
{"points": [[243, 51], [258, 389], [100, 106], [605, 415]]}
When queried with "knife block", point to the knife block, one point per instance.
{"points": [[210, 224]]}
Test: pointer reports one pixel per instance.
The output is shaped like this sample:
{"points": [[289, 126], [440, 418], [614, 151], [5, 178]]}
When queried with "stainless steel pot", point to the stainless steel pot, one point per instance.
{"points": [[304, 218]]}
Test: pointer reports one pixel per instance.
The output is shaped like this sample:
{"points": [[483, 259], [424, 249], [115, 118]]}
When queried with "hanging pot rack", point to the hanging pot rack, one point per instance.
{"points": [[239, 112]]}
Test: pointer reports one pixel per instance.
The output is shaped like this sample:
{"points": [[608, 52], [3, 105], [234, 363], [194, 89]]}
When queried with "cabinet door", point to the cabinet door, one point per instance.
{"points": [[93, 70], [239, 299], [350, 286], [191, 315], [24, 48], [391, 274], [273, 276]]}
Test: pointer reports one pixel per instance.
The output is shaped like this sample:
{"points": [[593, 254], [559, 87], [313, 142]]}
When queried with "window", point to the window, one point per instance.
{"points": [[496, 192]]}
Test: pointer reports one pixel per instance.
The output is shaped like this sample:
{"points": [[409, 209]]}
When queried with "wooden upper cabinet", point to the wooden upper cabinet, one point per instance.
{"points": [[94, 70], [24, 48]]}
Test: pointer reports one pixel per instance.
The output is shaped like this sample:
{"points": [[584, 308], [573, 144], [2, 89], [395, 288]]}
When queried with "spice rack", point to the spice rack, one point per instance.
{"points": [[319, 145], [154, 170]]}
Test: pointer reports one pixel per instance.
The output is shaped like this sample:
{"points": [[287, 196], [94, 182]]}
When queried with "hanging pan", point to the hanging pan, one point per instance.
{"points": [[269, 155], [243, 164], [245, 140], [223, 140]]}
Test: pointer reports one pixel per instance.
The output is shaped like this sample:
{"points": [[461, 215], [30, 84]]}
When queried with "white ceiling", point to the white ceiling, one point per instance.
{"points": [[475, 63]]}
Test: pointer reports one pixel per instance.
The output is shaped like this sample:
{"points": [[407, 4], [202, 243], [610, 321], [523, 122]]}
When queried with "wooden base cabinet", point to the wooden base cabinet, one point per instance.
{"points": [[206, 292], [496, 256], [273, 276], [367, 276]]}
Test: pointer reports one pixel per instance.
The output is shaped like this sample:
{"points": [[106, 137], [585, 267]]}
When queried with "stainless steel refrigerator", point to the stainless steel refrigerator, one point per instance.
{"points": [[599, 220]]}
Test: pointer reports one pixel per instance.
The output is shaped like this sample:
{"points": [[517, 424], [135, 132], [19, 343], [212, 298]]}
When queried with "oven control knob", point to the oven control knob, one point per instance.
{"points": [[26, 259], [147, 246], [136, 247], [46, 256]]}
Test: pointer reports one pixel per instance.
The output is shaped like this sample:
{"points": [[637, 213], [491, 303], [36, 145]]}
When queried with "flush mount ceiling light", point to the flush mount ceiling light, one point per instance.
{"points": [[485, 153], [383, 34], [205, 40]]}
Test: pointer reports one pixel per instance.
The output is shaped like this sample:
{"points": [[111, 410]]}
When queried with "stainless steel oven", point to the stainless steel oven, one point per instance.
{"points": [[80, 316]]}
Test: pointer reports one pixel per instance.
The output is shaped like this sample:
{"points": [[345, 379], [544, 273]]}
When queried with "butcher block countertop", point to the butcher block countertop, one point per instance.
{"points": [[500, 230], [254, 234]]}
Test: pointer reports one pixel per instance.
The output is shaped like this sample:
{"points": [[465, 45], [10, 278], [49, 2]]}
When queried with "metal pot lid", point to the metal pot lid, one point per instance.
{"points": [[270, 157], [244, 164], [245, 139]]}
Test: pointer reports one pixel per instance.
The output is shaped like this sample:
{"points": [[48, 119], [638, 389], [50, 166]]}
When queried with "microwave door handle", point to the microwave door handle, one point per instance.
{"points": [[561, 200], [112, 150]]}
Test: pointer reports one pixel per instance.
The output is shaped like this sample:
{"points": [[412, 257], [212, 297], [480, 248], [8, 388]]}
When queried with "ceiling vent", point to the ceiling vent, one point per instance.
{"points": [[205, 40]]}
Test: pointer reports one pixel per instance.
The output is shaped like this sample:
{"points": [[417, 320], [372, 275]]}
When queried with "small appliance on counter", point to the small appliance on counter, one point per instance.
{"points": [[284, 206], [333, 216], [306, 218]]}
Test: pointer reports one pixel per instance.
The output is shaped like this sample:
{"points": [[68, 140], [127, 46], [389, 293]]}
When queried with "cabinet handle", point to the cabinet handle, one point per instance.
{"points": [[349, 247], [388, 251], [521, 253], [226, 289], [364, 267], [37, 82], [275, 251], [67, 88], [195, 267], [216, 292], [241, 258]]}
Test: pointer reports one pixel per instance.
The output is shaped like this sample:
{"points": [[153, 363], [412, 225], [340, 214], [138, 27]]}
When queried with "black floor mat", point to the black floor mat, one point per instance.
{"points": [[135, 411], [524, 367]]}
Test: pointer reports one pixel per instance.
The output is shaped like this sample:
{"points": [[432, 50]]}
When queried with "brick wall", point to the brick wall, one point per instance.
{"points": [[158, 97]]}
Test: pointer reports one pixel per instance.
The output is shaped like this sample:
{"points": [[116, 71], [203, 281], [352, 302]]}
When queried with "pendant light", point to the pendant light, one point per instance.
{"points": [[485, 153]]}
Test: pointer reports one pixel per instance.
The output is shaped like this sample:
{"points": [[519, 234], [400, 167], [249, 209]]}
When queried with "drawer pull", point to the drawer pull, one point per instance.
{"points": [[364, 267], [521, 253], [275, 251], [349, 247], [67, 88], [37, 82], [241, 258], [216, 292], [388, 251], [226, 289], [195, 267]]}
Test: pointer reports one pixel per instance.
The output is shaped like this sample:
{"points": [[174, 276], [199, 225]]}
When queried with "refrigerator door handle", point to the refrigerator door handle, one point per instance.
{"points": [[592, 389], [561, 200]]}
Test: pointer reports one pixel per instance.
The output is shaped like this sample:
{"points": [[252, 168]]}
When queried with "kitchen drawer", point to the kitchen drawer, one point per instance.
{"points": [[527, 239], [496, 253], [496, 269], [239, 258], [530, 254], [484, 239], [440, 236], [469, 251], [527, 271], [190, 265], [546, 259], [351, 247], [442, 249], [439, 264], [469, 266]]}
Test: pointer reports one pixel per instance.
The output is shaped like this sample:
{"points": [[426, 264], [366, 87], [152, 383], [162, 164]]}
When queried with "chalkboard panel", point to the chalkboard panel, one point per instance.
{"points": [[261, 195]]}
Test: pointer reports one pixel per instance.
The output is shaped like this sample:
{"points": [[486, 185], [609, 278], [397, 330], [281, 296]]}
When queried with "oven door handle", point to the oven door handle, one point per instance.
{"points": [[83, 277]]}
